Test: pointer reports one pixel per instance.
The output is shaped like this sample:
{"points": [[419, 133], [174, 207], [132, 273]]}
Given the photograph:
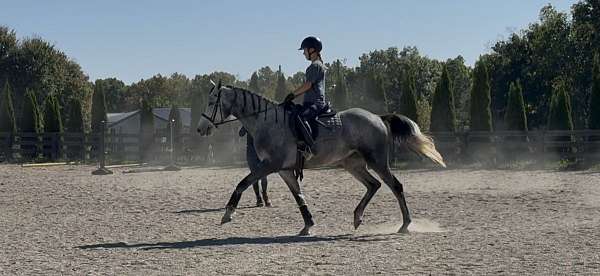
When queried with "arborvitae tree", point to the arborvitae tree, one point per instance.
{"points": [[594, 120], [515, 120], [30, 123], [197, 109], [560, 117], [147, 117], [98, 109], [515, 117], [253, 85], [7, 119], [280, 90], [30, 119], [375, 98], [146, 129], [53, 124], [196, 142], [481, 114], [75, 125], [52, 119], [408, 100], [7, 111], [380, 93], [443, 115], [339, 97]]}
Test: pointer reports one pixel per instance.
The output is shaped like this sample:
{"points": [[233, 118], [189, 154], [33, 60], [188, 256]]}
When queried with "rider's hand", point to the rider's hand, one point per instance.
{"points": [[289, 98]]}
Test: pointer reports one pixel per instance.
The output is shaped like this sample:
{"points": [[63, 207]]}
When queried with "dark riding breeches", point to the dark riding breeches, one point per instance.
{"points": [[309, 114]]}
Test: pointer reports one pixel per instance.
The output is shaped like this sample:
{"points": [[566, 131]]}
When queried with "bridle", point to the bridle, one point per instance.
{"points": [[218, 109]]}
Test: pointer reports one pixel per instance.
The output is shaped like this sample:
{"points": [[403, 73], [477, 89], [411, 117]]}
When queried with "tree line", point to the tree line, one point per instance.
{"points": [[543, 77]]}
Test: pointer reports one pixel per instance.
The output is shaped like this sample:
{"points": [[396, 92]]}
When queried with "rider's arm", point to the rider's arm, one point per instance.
{"points": [[314, 74], [302, 89]]}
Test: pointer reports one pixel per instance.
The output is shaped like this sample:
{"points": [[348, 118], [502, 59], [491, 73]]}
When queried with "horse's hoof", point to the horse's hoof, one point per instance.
{"points": [[304, 232], [259, 204], [225, 220], [403, 230], [268, 204], [227, 216], [357, 223]]}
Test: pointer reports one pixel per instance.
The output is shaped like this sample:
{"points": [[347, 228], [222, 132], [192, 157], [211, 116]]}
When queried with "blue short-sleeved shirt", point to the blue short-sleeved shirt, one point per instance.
{"points": [[315, 74]]}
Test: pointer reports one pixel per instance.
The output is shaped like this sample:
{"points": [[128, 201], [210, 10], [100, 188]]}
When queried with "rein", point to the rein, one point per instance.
{"points": [[219, 109]]}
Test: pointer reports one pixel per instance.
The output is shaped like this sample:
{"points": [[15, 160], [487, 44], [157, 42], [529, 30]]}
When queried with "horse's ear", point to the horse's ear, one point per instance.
{"points": [[213, 86]]}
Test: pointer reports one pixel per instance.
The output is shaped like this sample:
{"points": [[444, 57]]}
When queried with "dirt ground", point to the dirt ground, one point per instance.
{"points": [[63, 220]]}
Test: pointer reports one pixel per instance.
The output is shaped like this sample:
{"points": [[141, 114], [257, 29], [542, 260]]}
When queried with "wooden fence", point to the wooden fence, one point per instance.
{"points": [[510, 145], [227, 147]]}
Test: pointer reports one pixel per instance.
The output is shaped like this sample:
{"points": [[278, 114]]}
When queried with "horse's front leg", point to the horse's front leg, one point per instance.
{"points": [[292, 183], [263, 170]]}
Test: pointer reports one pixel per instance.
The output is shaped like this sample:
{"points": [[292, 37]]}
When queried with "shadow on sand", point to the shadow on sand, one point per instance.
{"points": [[211, 210], [217, 242]]}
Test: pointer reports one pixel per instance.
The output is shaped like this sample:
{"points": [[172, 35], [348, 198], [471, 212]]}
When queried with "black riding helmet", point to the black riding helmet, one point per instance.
{"points": [[311, 42]]}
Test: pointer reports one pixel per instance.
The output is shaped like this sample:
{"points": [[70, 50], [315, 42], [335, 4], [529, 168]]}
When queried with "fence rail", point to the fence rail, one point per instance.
{"points": [[508, 145], [228, 147]]}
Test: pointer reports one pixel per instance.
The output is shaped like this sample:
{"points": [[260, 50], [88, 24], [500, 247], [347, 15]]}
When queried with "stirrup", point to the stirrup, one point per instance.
{"points": [[307, 134], [307, 155], [306, 151]]}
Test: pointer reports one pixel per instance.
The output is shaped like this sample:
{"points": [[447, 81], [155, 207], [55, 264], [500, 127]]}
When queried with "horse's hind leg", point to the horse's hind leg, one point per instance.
{"points": [[383, 170], [259, 201], [292, 183], [265, 197], [358, 168]]}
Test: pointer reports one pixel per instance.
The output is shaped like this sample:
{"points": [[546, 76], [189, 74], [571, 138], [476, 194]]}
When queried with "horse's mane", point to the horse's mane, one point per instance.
{"points": [[252, 94]]}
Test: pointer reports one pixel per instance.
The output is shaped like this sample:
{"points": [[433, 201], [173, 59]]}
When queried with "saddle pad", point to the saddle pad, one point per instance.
{"points": [[333, 123]]}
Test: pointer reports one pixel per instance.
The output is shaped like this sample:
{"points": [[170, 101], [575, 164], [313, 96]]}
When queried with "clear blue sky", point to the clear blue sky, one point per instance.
{"points": [[131, 40]]}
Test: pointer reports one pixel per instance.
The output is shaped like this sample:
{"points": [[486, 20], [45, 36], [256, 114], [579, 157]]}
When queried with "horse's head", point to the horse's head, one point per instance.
{"points": [[217, 110]]}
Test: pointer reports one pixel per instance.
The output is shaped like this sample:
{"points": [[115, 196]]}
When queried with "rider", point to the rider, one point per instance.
{"points": [[313, 88]]}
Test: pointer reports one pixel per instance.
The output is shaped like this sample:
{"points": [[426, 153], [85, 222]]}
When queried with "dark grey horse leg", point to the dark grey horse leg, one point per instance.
{"points": [[386, 175], [265, 197], [259, 201], [294, 186], [254, 176], [359, 170]]}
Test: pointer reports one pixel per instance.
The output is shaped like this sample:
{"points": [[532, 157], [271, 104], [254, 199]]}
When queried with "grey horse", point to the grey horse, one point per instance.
{"points": [[363, 141]]}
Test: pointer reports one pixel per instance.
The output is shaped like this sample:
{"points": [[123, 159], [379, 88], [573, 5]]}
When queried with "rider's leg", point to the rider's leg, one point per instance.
{"points": [[309, 114]]}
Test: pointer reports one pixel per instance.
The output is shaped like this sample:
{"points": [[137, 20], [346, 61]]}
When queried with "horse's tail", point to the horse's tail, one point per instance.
{"points": [[408, 132]]}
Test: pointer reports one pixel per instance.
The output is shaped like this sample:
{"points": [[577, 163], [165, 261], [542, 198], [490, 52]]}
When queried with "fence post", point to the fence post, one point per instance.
{"points": [[578, 144], [172, 166], [8, 144], [54, 148], [542, 145], [464, 151], [83, 147], [11, 152], [102, 170]]}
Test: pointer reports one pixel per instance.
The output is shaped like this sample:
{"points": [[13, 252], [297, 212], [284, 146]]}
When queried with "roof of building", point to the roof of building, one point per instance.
{"points": [[161, 113], [184, 113], [114, 118]]}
